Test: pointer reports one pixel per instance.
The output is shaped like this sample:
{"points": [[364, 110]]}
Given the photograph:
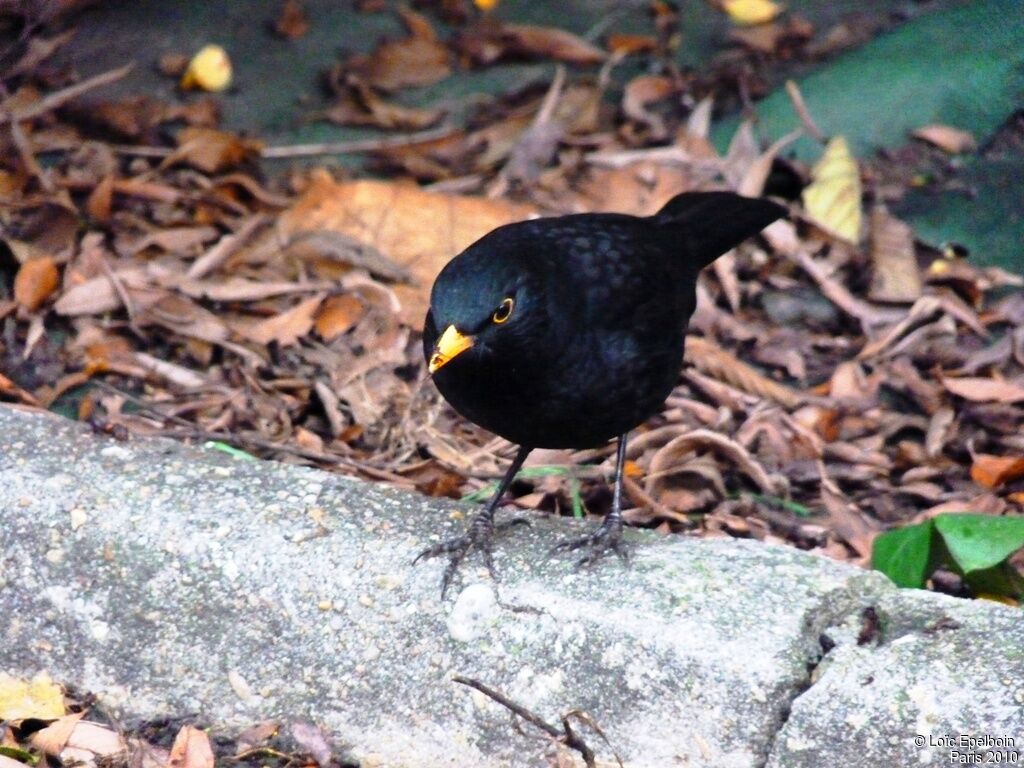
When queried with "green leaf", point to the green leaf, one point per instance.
{"points": [[999, 580], [976, 542], [777, 501], [19, 754], [577, 500], [238, 453], [903, 555]]}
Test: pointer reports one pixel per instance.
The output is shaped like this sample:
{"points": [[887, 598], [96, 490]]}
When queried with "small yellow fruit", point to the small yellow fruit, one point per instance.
{"points": [[750, 12], [209, 70]]}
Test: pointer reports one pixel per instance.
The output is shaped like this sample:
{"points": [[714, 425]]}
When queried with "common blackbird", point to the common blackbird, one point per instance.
{"points": [[566, 332]]}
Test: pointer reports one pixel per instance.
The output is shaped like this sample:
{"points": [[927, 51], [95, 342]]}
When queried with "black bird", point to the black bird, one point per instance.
{"points": [[566, 332]]}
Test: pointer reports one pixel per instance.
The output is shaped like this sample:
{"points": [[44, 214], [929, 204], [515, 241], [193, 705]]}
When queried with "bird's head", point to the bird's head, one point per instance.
{"points": [[484, 306]]}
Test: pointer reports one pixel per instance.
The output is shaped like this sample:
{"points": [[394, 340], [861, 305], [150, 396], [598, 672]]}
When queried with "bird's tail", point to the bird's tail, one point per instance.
{"points": [[707, 224]]}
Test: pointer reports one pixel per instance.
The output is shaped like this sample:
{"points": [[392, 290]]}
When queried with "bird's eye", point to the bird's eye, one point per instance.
{"points": [[504, 311]]}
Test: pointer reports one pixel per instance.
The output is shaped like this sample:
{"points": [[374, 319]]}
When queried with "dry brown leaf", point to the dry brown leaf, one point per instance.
{"points": [[337, 315], [9, 389], [643, 91], [846, 519], [143, 754], [312, 739], [332, 254], [94, 740], [981, 390], [172, 64], [256, 735], [714, 360], [552, 43], [925, 311], [895, 276], [753, 179], [983, 504], [191, 749], [292, 22], [418, 60], [492, 41], [639, 188], [212, 151], [670, 454], [240, 289], [185, 317], [938, 433], [849, 382], [172, 240], [360, 105], [36, 280], [286, 328], [626, 44], [417, 229], [97, 295], [311, 442], [776, 36], [98, 203], [53, 738], [763, 38], [952, 140], [993, 471]]}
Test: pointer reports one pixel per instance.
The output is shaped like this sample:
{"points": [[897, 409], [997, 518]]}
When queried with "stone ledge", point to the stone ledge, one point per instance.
{"points": [[173, 580]]}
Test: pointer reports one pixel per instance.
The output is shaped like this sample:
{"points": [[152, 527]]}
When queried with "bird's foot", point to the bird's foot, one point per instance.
{"points": [[607, 538], [480, 536]]}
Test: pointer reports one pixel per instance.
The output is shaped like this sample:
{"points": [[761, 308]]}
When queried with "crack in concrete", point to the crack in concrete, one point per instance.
{"points": [[855, 602]]}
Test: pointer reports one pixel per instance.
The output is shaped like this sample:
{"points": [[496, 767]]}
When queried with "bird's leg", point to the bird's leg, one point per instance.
{"points": [[609, 535], [481, 530]]}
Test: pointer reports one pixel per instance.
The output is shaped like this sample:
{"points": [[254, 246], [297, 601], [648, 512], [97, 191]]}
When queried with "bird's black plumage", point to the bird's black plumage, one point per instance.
{"points": [[592, 344]]}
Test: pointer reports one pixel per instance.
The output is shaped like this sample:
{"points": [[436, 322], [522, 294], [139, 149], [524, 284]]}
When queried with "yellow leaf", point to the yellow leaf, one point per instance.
{"points": [[751, 11], [832, 199], [209, 70], [39, 697], [486, 5], [1004, 599]]}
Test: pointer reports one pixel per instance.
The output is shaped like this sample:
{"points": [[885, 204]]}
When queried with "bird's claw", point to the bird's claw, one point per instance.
{"points": [[480, 536], [607, 538]]}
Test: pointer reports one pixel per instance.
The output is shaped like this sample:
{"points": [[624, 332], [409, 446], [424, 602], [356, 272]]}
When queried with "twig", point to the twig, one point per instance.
{"points": [[868, 316], [119, 288], [58, 98], [803, 112], [141, 150], [28, 159], [360, 145], [224, 248], [191, 431], [723, 365], [668, 155], [567, 735], [310, 150]]}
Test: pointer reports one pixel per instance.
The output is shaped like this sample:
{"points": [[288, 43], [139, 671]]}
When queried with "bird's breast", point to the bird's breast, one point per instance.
{"points": [[600, 386]]}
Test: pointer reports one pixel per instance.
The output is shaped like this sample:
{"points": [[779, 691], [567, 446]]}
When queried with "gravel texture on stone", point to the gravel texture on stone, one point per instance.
{"points": [[177, 580]]}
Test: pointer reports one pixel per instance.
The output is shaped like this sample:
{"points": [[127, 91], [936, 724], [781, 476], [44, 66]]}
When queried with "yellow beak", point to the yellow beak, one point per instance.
{"points": [[448, 347]]}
